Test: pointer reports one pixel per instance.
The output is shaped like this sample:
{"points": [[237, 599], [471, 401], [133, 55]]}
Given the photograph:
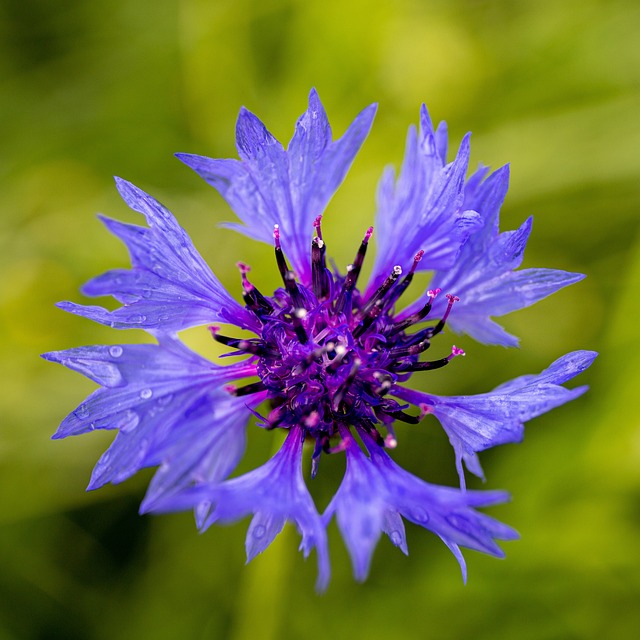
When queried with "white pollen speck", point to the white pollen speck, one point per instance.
{"points": [[340, 349], [300, 313]]}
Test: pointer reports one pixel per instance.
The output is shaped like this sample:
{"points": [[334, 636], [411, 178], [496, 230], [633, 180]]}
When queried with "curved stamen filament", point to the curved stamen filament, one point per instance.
{"points": [[353, 271]]}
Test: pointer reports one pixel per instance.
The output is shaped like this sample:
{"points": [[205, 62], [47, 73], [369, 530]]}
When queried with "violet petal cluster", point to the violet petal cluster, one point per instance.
{"points": [[330, 359]]}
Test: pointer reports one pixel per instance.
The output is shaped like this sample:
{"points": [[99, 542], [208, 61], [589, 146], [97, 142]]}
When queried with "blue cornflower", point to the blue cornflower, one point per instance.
{"points": [[329, 360]]}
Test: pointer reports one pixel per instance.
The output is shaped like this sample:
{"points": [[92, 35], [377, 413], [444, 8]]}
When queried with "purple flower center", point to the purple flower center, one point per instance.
{"points": [[328, 356]]}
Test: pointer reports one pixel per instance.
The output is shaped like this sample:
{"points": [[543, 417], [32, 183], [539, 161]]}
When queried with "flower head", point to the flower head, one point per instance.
{"points": [[330, 358]]}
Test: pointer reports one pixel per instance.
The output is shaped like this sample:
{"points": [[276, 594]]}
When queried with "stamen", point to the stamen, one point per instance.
{"points": [[379, 295], [254, 300], [339, 396], [410, 350], [247, 346], [406, 281], [287, 275], [440, 326], [415, 317], [280, 259], [431, 365], [317, 224], [296, 320], [248, 389], [319, 274], [404, 417], [386, 382], [344, 299], [321, 443]]}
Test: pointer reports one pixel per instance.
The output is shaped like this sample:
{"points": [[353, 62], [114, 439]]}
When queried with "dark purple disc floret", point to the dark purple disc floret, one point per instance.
{"points": [[327, 356]]}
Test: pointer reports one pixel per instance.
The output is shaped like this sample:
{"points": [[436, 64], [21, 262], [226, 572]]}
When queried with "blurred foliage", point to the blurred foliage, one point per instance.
{"points": [[91, 89]]}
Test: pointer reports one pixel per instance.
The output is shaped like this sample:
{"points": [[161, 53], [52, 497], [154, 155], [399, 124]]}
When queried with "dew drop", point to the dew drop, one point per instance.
{"points": [[163, 401], [115, 351], [461, 524], [420, 515], [136, 318], [81, 412], [396, 537], [145, 394], [129, 421], [106, 373], [258, 532]]}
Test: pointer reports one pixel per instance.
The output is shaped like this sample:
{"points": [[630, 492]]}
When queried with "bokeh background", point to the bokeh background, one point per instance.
{"points": [[102, 88]]}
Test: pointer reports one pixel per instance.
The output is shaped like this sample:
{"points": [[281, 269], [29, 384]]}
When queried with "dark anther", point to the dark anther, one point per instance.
{"points": [[405, 417], [341, 392], [344, 299], [415, 317], [380, 293], [319, 273], [406, 281], [255, 347], [248, 389], [440, 326], [422, 366]]}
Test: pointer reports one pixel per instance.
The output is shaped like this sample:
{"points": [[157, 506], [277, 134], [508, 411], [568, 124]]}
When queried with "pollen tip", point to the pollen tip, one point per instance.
{"points": [[312, 419], [457, 351], [368, 235], [317, 222], [276, 235], [390, 442], [425, 409], [452, 298], [213, 329], [432, 293], [418, 256], [397, 270], [230, 388], [243, 267]]}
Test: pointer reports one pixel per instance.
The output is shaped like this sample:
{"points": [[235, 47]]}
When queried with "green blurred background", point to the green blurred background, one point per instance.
{"points": [[93, 89]]}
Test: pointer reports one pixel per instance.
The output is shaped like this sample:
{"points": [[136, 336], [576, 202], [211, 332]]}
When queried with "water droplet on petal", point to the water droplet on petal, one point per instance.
{"points": [[136, 318], [81, 412], [420, 515], [396, 538], [115, 351], [145, 394], [163, 401], [129, 421], [258, 532], [106, 373]]}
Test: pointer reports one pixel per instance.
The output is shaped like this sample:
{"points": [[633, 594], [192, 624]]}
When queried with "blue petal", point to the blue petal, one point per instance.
{"points": [[376, 492], [425, 208], [207, 448], [290, 188], [483, 275], [166, 402], [476, 423], [274, 492], [170, 287]]}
